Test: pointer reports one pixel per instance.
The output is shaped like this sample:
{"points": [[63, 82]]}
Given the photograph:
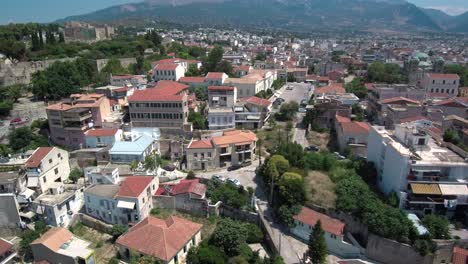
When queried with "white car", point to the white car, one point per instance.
{"points": [[302, 110], [236, 182], [218, 178]]}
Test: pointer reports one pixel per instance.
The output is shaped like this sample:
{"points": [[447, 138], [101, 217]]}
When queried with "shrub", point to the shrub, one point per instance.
{"points": [[254, 234]]}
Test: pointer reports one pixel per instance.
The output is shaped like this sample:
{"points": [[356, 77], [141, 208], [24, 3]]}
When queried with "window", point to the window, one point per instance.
{"points": [[433, 81], [50, 160], [454, 81], [56, 171], [209, 154], [59, 155], [195, 154], [44, 179], [443, 81]]}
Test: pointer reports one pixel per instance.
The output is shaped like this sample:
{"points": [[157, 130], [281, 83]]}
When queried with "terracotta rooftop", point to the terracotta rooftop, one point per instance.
{"points": [[460, 255], [160, 238], [443, 76], [221, 88], [342, 119], [133, 186], [412, 119], [335, 88], [399, 100], [237, 137], [5, 246], [166, 67], [200, 144], [163, 91], [54, 238], [38, 155], [460, 102], [355, 127], [256, 100], [215, 75], [192, 79], [330, 225], [184, 186], [101, 132]]}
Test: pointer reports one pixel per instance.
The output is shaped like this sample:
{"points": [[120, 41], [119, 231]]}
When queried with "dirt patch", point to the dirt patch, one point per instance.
{"points": [[320, 190], [318, 139]]}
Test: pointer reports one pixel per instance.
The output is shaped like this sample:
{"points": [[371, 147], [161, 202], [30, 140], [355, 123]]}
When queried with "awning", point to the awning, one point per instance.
{"points": [[125, 204], [453, 189], [423, 188], [28, 215], [215, 98], [27, 193], [252, 117], [33, 182]]}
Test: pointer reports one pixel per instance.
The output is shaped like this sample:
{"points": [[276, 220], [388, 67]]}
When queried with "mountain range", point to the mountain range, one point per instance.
{"points": [[298, 15]]}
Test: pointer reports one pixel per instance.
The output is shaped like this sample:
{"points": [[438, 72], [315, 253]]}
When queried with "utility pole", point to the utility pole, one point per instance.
{"points": [[279, 246], [272, 186]]}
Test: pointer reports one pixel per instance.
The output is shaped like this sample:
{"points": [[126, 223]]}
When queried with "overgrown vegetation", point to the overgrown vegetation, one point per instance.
{"points": [[379, 72], [229, 194]]}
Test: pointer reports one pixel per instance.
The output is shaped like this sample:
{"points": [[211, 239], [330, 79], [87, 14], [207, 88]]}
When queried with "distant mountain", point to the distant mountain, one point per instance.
{"points": [[298, 15]]}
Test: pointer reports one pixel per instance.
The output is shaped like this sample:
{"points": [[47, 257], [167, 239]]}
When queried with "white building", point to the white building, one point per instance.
{"points": [[102, 175], [439, 83], [59, 204], [170, 72], [129, 202], [305, 221], [46, 166], [427, 174]]}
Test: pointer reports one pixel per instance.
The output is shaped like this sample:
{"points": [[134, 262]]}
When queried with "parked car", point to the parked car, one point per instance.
{"points": [[289, 88], [311, 148], [302, 110], [236, 182], [18, 121], [218, 178], [304, 102], [234, 167], [339, 156]]}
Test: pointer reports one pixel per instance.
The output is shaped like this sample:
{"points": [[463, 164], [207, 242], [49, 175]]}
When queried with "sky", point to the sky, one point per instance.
{"points": [[19, 11]]}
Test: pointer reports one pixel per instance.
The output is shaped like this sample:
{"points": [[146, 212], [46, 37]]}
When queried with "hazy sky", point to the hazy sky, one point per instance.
{"points": [[51, 10]]}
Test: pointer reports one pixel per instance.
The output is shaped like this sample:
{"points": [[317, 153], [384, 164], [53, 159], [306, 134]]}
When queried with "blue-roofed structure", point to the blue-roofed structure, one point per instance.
{"points": [[417, 223], [128, 151]]}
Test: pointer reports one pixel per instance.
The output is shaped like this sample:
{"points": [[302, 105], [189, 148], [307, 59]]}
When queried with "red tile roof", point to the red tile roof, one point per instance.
{"points": [[166, 67], [370, 86], [256, 100], [160, 238], [168, 61], [453, 102], [101, 132], [188, 186], [5, 246], [330, 225], [214, 75], [335, 88], [192, 79], [163, 91], [200, 144], [355, 127], [443, 76], [54, 238], [38, 155], [460, 256], [239, 68], [342, 119], [221, 88], [237, 137], [133, 186], [399, 100]]}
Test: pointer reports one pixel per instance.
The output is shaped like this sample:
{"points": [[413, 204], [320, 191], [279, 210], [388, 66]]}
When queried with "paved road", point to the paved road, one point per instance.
{"points": [[246, 175]]}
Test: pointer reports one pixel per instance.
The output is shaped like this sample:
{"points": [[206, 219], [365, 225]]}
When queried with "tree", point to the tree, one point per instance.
{"points": [[291, 189], [289, 127], [280, 163], [114, 66], [193, 71], [199, 121], [61, 38], [384, 72], [438, 226], [461, 70], [229, 235], [288, 111], [358, 112], [451, 136], [151, 162], [356, 86], [118, 230], [261, 56], [214, 57], [20, 138], [75, 175], [134, 165], [317, 246], [190, 175]]}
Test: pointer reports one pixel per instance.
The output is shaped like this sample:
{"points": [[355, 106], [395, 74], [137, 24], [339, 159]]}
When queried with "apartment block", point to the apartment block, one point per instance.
{"points": [[233, 147], [69, 120], [170, 72], [440, 83], [429, 175], [164, 106]]}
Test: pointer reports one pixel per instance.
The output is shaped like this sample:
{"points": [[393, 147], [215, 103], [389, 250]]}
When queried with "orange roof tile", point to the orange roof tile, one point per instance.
{"points": [[330, 225], [38, 155], [101, 132], [443, 76], [54, 238], [5, 246], [160, 238], [256, 100], [355, 127], [163, 91], [460, 256], [399, 99], [235, 137], [192, 79], [215, 75], [200, 144], [133, 186]]}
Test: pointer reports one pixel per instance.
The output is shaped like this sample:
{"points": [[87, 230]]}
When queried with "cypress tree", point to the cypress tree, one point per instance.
{"points": [[61, 37], [317, 246]]}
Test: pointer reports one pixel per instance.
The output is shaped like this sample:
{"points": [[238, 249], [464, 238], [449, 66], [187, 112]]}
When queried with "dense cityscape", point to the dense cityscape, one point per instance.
{"points": [[163, 142]]}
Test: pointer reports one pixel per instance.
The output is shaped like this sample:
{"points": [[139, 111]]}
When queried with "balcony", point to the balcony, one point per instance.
{"points": [[76, 115], [75, 126]]}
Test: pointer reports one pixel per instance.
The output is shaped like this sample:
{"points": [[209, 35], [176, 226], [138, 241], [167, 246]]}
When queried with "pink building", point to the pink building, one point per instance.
{"points": [[70, 119]]}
